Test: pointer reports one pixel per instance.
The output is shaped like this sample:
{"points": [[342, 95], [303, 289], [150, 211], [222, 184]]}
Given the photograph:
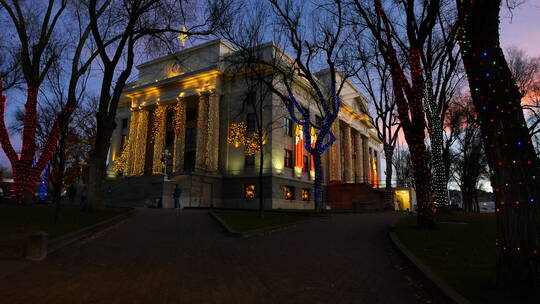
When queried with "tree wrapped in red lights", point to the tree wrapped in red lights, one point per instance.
{"points": [[514, 166], [408, 94], [25, 169]]}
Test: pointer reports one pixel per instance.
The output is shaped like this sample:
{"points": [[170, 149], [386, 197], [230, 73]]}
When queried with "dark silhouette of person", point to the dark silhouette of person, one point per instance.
{"points": [[176, 195]]}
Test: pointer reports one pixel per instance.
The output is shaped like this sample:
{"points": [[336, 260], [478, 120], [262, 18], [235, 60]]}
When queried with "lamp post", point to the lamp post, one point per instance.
{"points": [[165, 156]]}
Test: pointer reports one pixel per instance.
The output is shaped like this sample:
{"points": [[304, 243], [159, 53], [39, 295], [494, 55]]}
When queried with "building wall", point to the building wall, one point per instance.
{"points": [[165, 81]]}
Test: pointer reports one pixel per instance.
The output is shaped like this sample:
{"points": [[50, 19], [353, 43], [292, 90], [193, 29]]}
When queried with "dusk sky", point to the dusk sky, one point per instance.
{"points": [[521, 28]]}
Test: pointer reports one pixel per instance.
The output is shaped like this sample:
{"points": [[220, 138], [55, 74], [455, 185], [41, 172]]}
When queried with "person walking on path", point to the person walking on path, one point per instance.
{"points": [[176, 195]]}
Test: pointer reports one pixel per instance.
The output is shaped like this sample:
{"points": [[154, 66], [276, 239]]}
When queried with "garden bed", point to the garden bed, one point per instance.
{"points": [[246, 222], [461, 251]]}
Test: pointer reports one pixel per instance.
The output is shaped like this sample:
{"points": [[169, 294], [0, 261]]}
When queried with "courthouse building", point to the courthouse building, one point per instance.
{"points": [[185, 122]]}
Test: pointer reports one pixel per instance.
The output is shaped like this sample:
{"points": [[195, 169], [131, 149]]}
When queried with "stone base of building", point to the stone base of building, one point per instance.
{"points": [[355, 196], [202, 190]]}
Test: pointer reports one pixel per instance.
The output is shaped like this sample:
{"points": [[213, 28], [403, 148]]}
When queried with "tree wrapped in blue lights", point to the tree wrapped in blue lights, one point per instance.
{"points": [[289, 76]]}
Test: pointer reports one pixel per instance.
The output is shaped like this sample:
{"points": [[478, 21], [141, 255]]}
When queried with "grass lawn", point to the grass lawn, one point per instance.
{"points": [[18, 222], [462, 252], [243, 221]]}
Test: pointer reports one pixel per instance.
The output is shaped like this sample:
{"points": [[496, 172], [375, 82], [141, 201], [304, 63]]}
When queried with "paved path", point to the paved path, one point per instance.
{"points": [[159, 257]]}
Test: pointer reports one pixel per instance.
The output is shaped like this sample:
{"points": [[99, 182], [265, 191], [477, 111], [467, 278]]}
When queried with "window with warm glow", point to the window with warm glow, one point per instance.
{"points": [[249, 191], [288, 192], [305, 195], [288, 159], [305, 168]]}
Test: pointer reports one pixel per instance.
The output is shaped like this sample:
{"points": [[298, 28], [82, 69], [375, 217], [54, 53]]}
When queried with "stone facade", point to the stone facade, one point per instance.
{"points": [[176, 120]]}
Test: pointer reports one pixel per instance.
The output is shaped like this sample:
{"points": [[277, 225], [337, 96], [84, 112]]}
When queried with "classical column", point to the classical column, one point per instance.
{"points": [[158, 137], [179, 134], [365, 158], [132, 140], [201, 161], [358, 166], [347, 161], [335, 154], [140, 154], [137, 142], [212, 144], [378, 160]]}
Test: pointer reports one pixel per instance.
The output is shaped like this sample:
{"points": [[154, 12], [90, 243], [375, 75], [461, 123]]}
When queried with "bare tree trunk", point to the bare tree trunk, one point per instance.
{"points": [[317, 185], [98, 163], [514, 167], [57, 194], [261, 178], [389, 156], [467, 199]]}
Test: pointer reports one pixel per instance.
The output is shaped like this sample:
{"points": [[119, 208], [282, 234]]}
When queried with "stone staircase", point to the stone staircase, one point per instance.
{"points": [[355, 197], [140, 191]]}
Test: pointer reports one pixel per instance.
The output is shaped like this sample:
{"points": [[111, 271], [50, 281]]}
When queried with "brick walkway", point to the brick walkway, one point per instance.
{"points": [[159, 257]]}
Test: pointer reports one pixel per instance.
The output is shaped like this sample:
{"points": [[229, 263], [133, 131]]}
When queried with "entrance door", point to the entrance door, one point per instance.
{"points": [[206, 197]]}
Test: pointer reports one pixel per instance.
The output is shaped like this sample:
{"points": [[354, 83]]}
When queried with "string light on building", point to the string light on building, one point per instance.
{"points": [[120, 162], [158, 137], [237, 134], [251, 144], [249, 191]]}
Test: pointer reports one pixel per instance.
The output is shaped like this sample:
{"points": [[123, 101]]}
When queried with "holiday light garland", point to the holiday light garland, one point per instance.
{"points": [[140, 152], [408, 98], [439, 181], [237, 134], [179, 122], [137, 142], [201, 161], [131, 147], [25, 168], [212, 142], [158, 137], [120, 162]]}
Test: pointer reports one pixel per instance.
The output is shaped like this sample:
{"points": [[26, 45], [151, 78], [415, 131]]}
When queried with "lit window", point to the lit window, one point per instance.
{"points": [[288, 192], [287, 126], [288, 159], [305, 168], [249, 191], [305, 195]]}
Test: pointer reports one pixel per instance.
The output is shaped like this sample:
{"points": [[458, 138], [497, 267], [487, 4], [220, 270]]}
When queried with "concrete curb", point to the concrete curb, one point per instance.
{"points": [[448, 291], [70, 238], [257, 232]]}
